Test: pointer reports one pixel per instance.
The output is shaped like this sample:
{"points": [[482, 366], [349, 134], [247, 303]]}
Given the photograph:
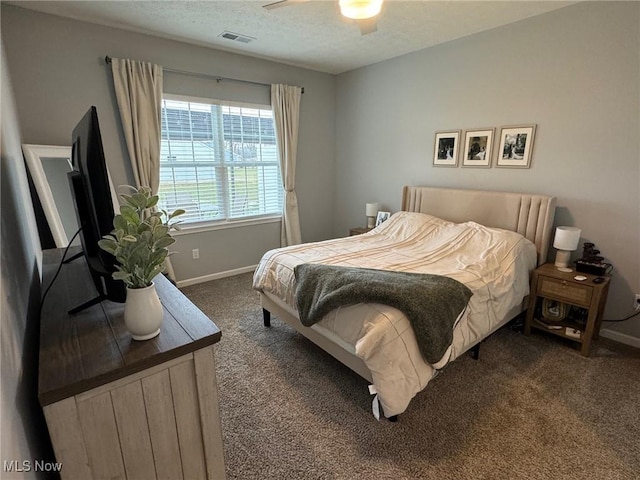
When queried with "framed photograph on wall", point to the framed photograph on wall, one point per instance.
{"points": [[515, 147], [477, 148], [445, 150]]}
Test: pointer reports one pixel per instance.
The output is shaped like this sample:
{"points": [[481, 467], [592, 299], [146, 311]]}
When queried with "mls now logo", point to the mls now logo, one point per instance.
{"points": [[16, 466]]}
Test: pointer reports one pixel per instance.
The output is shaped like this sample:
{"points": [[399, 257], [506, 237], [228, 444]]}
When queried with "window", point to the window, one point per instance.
{"points": [[218, 161]]}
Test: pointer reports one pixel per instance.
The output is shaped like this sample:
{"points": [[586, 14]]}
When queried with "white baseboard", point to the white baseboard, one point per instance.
{"points": [[620, 337], [215, 276]]}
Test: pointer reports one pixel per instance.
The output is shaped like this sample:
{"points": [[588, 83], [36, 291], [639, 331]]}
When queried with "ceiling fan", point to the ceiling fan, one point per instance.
{"points": [[365, 12]]}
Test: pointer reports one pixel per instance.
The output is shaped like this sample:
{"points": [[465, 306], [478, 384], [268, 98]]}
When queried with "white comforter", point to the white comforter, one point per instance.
{"points": [[495, 264]]}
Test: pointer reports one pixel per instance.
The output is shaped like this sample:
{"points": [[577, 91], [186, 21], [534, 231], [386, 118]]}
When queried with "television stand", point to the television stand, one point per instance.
{"points": [[119, 408]]}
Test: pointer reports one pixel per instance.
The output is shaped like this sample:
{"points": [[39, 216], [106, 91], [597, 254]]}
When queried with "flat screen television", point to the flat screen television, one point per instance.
{"points": [[94, 206]]}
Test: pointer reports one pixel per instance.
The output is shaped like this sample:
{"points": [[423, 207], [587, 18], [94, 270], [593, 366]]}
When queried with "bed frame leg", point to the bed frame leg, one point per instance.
{"points": [[475, 351], [393, 418], [266, 317]]}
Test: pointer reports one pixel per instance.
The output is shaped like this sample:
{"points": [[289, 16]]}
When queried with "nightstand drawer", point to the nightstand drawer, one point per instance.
{"points": [[565, 291]]}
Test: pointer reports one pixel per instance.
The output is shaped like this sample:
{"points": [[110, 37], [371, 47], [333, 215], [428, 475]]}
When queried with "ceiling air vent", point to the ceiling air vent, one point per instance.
{"points": [[236, 37]]}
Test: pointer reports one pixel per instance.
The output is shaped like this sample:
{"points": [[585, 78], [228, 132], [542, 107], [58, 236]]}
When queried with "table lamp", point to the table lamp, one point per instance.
{"points": [[371, 212], [566, 241]]}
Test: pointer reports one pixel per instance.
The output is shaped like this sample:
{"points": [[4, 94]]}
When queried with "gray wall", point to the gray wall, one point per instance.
{"points": [[58, 70], [574, 72], [24, 434]]}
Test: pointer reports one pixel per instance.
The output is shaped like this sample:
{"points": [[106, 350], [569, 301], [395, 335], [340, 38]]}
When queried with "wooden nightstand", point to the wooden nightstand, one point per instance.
{"points": [[560, 294], [359, 231]]}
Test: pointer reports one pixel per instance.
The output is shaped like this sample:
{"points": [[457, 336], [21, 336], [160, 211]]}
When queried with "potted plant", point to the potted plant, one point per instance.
{"points": [[139, 242]]}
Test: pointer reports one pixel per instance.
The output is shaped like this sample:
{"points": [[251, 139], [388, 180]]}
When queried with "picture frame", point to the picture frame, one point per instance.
{"points": [[515, 147], [382, 217], [554, 311], [445, 150], [478, 147]]}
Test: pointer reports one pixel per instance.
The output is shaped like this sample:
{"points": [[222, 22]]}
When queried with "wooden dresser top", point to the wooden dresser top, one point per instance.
{"points": [[93, 347]]}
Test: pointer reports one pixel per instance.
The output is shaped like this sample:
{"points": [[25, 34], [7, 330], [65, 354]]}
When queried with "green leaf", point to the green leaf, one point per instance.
{"points": [[130, 214], [127, 199], [157, 257], [108, 245], [154, 220], [140, 200], [165, 242], [177, 212], [147, 237], [155, 271], [119, 222], [152, 201], [160, 231], [119, 275], [129, 238]]}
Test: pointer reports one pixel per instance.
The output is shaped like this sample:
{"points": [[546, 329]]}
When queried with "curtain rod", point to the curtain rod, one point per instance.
{"points": [[217, 78]]}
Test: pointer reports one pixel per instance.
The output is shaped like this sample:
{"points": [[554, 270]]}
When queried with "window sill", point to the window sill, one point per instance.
{"points": [[223, 225]]}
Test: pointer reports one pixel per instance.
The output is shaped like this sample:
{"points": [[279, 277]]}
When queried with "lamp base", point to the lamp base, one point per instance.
{"points": [[562, 261], [371, 222]]}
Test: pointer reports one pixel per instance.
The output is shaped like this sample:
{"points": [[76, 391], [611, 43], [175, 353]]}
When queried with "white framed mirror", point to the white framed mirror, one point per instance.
{"points": [[49, 165]]}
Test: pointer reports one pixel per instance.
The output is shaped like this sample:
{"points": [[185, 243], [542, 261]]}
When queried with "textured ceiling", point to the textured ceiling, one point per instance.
{"points": [[309, 34]]}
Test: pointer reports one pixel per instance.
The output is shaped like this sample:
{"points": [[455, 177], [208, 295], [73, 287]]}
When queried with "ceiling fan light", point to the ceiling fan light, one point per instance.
{"points": [[360, 9]]}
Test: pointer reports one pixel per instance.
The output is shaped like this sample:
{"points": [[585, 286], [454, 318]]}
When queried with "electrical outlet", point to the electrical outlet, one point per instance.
{"points": [[195, 253], [636, 304]]}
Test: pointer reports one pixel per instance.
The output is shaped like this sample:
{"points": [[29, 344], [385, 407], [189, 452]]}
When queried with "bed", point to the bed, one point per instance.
{"points": [[488, 241]]}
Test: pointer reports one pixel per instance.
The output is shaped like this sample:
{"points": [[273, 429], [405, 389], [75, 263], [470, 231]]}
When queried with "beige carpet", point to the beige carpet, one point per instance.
{"points": [[529, 408]]}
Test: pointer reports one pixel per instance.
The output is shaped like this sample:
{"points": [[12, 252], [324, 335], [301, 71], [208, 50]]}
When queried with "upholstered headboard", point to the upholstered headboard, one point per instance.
{"points": [[529, 215]]}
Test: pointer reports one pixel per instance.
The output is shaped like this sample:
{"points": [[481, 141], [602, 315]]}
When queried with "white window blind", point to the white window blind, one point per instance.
{"points": [[218, 162]]}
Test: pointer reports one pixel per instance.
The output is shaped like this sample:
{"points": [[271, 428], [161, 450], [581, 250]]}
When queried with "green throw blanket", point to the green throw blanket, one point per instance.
{"points": [[432, 303]]}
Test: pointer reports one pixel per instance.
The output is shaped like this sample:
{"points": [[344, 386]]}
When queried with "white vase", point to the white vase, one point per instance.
{"points": [[143, 312]]}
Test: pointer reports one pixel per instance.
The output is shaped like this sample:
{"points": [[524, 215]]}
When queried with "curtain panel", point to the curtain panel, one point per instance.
{"points": [[285, 102], [138, 87]]}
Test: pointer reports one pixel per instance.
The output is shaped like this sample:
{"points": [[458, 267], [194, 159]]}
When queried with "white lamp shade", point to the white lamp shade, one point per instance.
{"points": [[567, 238], [360, 9], [372, 209]]}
